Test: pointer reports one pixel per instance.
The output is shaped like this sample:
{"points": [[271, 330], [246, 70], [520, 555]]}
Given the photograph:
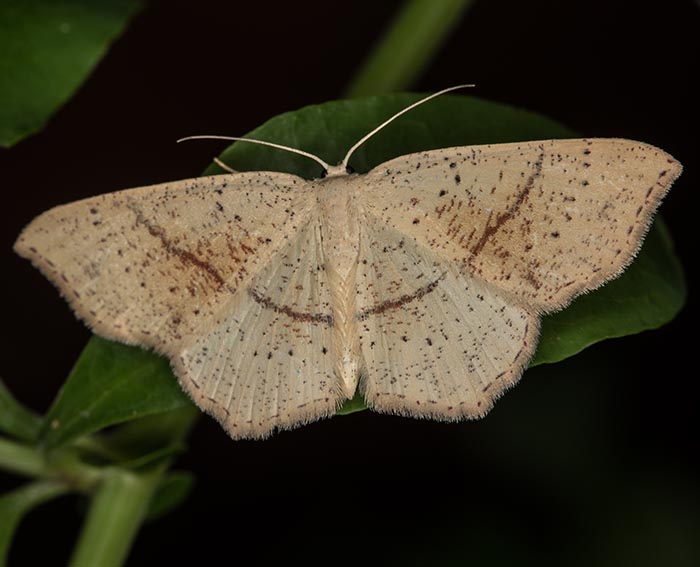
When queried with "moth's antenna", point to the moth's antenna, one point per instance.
{"points": [[223, 166], [326, 167], [344, 164]]}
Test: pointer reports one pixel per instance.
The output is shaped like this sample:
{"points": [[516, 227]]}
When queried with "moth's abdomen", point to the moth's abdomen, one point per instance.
{"points": [[341, 239]]}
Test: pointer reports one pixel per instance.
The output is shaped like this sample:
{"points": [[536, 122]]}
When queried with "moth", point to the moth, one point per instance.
{"points": [[420, 283]]}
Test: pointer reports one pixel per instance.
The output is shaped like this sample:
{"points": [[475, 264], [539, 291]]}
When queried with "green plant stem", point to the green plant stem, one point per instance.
{"points": [[21, 459], [409, 44], [63, 466], [121, 501], [116, 512]]}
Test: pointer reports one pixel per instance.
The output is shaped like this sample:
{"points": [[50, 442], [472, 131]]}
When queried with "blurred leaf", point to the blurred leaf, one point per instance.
{"points": [[405, 49], [171, 492], [47, 49], [109, 384], [151, 439], [647, 295], [16, 420], [15, 505]]}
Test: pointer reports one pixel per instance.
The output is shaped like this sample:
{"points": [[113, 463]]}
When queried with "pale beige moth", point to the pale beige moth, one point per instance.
{"points": [[421, 283]]}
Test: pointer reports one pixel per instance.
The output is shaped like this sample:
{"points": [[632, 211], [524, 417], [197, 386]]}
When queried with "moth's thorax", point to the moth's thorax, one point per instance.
{"points": [[341, 231]]}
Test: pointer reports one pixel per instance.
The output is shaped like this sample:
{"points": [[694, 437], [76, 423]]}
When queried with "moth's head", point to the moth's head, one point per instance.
{"points": [[337, 171]]}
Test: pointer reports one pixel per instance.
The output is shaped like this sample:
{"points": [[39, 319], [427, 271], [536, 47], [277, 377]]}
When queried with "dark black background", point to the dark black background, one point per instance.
{"points": [[592, 460]]}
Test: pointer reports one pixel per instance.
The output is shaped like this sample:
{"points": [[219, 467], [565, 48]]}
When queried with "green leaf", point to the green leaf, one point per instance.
{"points": [[149, 440], [109, 384], [16, 420], [15, 505], [47, 49], [172, 491], [357, 403], [647, 295]]}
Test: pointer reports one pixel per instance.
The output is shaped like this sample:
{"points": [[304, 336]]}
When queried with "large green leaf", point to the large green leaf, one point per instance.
{"points": [[111, 383], [47, 49]]}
